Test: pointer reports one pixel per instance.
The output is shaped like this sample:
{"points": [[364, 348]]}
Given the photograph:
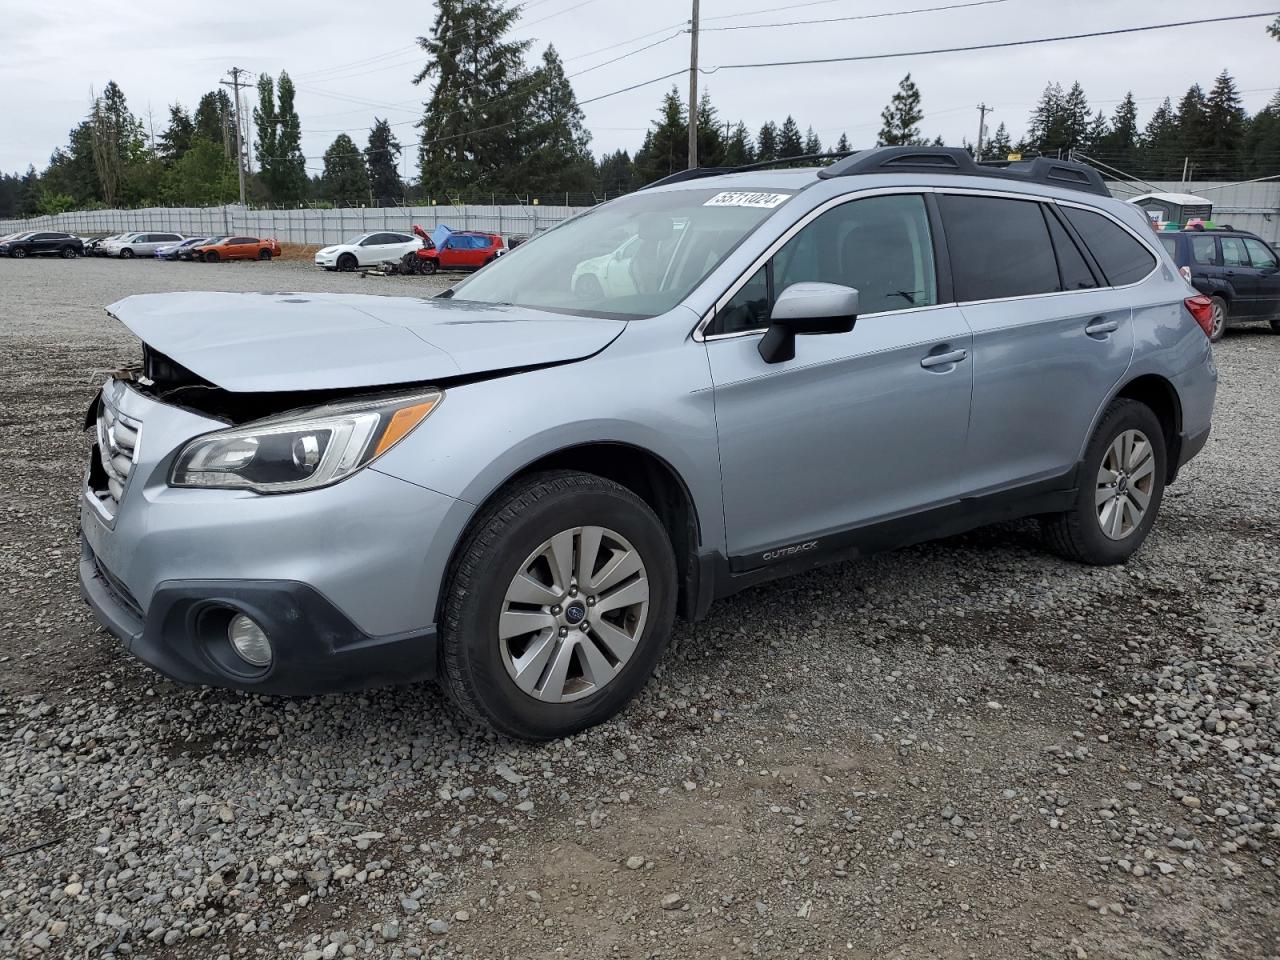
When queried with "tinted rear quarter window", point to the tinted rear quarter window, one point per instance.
{"points": [[999, 248], [1123, 258], [1170, 244], [1072, 266]]}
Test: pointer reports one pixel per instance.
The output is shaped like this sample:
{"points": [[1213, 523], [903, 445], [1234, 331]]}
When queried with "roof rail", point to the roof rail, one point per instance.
{"points": [[957, 161], [697, 173]]}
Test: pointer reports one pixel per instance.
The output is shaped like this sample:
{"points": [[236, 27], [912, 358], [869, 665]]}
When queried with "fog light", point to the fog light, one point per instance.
{"points": [[249, 641]]}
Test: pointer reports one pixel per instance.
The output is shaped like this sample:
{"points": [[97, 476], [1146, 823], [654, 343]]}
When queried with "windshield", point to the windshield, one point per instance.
{"points": [[635, 257]]}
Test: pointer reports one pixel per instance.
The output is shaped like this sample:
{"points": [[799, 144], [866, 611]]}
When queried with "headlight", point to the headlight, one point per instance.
{"points": [[302, 450]]}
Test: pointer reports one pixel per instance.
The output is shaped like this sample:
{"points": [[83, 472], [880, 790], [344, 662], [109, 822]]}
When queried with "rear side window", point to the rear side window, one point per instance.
{"points": [[1123, 258], [1072, 266], [1234, 253], [1170, 244], [999, 248], [242, 240], [1204, 250]]}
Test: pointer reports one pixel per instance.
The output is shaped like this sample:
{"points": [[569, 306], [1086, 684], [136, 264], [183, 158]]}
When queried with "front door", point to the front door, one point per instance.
{"points": [[1265, 278], [859, 427]]}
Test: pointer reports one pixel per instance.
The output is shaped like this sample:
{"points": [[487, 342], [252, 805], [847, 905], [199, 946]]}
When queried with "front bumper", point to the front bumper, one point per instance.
{"points": [[346, 577], [315, 647], [326, 260]]}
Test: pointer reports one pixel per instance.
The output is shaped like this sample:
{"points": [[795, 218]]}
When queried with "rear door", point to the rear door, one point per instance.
{"points": [[859, 427], [1242, 278], [1049, 341], [1263, 260]]}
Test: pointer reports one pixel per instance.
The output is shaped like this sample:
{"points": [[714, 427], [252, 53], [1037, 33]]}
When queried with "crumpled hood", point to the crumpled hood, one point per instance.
{"points": [[267, 342]]}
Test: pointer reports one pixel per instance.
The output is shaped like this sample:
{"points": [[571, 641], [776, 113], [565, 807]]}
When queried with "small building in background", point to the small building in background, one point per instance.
{"points": [[1174, 208]]}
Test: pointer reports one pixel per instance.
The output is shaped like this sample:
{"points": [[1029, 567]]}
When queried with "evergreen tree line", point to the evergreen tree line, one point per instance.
{"points": [[496, 126]]}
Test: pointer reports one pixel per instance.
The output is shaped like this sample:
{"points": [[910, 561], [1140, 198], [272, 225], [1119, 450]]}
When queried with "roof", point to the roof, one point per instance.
{"points": [[1182, 199]]}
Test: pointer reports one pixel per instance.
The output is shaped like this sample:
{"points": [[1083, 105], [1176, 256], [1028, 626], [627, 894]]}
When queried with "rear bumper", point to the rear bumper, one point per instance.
{"points": [[315, 647]]}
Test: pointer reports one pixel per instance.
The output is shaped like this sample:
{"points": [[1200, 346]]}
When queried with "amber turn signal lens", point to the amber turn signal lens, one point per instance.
{"points": [[402, 421]]}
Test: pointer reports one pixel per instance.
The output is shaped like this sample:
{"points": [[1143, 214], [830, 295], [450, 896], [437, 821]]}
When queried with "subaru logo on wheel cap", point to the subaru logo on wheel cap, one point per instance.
{"points": [[575, 612]]}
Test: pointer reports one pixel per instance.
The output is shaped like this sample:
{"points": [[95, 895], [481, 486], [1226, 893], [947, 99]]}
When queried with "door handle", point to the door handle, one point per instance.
{"points": [[1098, 327], [938, 359]]}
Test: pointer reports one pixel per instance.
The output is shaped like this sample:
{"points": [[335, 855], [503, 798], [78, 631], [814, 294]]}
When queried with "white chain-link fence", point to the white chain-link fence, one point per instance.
{"points": [[307, 226]]}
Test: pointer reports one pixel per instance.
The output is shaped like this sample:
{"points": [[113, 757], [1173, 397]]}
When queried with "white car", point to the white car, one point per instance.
{"points": [[612, 274], [367, 250]]}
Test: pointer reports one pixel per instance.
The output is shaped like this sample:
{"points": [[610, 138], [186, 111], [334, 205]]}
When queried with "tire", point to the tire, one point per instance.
{"points": [[428, 266], [67, 253], [264, 254], [347, 262], [477, 665], [126, 254], [1275, 325], [1078, 534], [210, 256], [18, 253], [1220, 314]]}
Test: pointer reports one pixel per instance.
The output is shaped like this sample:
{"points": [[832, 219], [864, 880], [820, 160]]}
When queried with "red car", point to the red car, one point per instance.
{"points": [[464, 250], [236, 248]]}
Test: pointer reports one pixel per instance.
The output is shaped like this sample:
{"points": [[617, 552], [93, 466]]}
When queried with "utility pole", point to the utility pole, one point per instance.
{"points": [[235, 84], [983, 110], [693, 88]]}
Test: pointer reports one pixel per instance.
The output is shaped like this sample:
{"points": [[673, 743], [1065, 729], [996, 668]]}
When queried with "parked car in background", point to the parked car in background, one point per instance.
{"points": [[235, 248], [94, 248], [173, 251], [367, 250], [1237, 270], [189, 252], [829, 362], [43, 244], [132, 245], [612, 273], [463, 250]]}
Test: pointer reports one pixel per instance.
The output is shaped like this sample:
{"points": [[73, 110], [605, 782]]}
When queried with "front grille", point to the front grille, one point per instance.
{"points": [[116, 449]]}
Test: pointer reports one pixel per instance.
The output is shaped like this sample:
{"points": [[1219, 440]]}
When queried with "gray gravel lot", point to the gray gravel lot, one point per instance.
{"points": [[965, 749]]}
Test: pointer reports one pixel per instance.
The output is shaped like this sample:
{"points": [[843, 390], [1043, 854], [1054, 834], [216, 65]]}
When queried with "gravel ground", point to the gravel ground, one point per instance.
{"points": [[965, 749]]}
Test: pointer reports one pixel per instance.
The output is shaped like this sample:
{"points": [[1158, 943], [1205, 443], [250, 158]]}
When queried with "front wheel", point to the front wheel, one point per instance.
{"points": [[68, 253], [126, 254], [18, 253], [1122, 484], [210, 256], [429, 266], [347, 262], [558, 606], [264, 254]]}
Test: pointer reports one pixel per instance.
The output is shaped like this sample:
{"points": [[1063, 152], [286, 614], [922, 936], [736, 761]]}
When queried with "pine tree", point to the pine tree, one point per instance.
{"points": [[1261, 152], [1161, 145], [812, 144], [711, 142], [29, 196], [1097, 132], [381, 157], [346, 181], [282, 167], [475, 123], [204, 176], [842, 145], [1118, 148], [116, 137], [1193, 126], [1075, 120], [767, 142], [177, 137], [739, 150], [1274, 29], [998, 146], [1044, 130], [617, 173], [789, 142], [1226, 123], [666, 144], [215, 120], [901, 118]]}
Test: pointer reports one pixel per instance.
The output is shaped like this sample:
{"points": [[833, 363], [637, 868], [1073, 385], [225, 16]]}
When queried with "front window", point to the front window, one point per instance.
{"points": [[638, 256]]}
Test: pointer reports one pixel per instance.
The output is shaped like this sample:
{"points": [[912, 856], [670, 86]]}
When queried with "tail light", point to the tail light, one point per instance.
{"points": [[1186, 273], [1201, 310]]}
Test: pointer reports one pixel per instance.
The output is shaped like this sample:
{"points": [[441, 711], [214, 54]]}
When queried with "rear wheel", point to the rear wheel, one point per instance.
{"points": [[68, 253], [558, 606], [1219, 326], [264, 254], [347, 262], [429, 265], [1122, 484], [210, 256]]}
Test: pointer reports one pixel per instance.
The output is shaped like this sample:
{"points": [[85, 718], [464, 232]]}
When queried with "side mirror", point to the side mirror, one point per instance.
{"points": [[807, 308]]}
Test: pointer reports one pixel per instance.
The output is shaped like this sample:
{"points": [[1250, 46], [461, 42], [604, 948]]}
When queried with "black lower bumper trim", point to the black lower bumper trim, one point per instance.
{"points": [[315, 646]]}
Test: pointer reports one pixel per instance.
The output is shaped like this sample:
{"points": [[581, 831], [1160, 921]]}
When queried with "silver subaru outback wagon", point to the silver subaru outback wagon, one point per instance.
{"points": [[516, 486]]}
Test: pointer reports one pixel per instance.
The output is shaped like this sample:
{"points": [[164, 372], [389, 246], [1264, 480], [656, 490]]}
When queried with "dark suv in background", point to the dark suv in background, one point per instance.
{"points": [[1238, 271], [36, 244]]}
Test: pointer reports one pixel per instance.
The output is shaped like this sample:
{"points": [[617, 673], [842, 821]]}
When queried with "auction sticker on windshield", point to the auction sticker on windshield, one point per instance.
{"points": [[742, 198]]}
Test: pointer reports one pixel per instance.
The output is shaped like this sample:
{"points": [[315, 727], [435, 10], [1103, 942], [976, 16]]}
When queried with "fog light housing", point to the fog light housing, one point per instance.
{"points": [[249, 641]]}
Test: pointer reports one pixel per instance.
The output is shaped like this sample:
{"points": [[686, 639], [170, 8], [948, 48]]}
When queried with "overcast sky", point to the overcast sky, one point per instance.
{"points": [[349, 67]]}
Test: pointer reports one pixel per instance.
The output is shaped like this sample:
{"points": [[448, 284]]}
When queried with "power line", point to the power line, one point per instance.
{"points": [[990, 46], [860, 16]]}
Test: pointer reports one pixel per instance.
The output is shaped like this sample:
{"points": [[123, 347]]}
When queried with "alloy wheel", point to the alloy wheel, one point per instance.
{"points": [[1219, 316], [1126, 480], [573, 614]]}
